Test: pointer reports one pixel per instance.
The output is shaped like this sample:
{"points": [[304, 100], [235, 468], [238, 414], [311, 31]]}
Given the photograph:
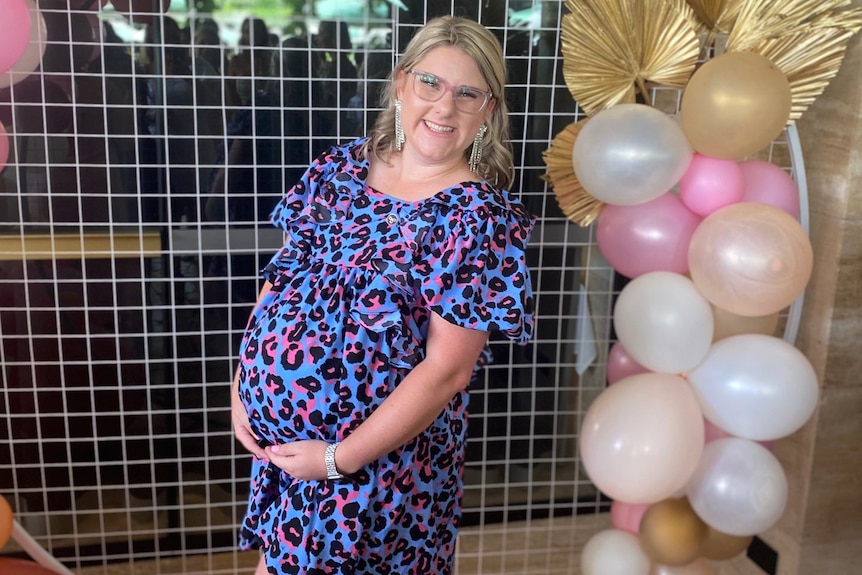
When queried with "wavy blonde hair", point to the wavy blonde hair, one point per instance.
{"points": [[496, 165]]}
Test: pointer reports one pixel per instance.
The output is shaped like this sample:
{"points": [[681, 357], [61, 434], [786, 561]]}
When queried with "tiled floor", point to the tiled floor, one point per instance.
{"points": [[539, 547]]}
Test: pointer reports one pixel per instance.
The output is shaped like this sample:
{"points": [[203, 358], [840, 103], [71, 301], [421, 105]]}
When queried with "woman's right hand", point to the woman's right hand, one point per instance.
{"points": [[241, 428]]}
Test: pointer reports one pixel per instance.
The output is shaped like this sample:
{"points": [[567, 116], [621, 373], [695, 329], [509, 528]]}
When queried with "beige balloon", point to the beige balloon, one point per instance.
{"points": [[728, 324], [671, 533], [750, 259], [720, 546], [735, 104]]}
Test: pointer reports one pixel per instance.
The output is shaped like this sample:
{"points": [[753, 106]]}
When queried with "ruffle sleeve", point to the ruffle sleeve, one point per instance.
{"points": [[474, 272]]}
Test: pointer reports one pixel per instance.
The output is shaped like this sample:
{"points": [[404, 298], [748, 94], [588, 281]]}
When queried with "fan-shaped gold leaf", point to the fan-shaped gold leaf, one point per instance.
{"points": [[716, 15], [811, 59], [611, 47], [577, 205], [761, 20]]}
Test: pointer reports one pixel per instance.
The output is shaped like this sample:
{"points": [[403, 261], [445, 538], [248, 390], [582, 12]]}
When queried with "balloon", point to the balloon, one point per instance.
{"points": [[652, 236], [642, 438], [756, 386], [710, 183], [767, 183], [720, 546], [621, 365], [739, 487], [750, 259], [22, 567], [663, 322], [627, 516], [630, 154], [671, 533], [614, 552], [727, 324], [5, 521], [4, 147], [698, 567], [32, 56], [14, 32], [735, 104]]}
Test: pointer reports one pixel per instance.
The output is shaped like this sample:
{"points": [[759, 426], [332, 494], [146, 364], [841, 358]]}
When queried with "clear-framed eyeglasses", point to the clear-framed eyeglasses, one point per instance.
{"points": [[431, 88]]}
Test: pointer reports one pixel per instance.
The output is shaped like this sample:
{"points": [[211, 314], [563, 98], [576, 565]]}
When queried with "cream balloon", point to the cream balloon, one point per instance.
{"points": [[739, 487], [698, 567], [32, 56], [750, 259], [614, 552], [755, 386], [727, 324], [663, 322], [630, 154], [642, 438]]}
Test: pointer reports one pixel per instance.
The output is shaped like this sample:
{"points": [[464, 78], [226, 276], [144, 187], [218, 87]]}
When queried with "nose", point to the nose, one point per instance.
{"points": [[446, 104]]}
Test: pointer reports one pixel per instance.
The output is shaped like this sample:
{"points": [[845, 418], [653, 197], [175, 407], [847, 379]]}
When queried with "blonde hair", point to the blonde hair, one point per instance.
{"points": [[496, 165]]}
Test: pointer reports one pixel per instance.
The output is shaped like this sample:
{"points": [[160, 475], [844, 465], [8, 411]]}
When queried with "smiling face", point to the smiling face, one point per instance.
{"points": [[438, 132]]}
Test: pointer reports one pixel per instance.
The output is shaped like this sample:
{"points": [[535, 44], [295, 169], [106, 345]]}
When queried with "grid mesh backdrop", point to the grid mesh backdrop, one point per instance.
{"points": [[146, 155]]}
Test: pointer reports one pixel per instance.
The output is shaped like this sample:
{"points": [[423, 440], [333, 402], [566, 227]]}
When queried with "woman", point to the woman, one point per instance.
{"points": [[403, 253]]}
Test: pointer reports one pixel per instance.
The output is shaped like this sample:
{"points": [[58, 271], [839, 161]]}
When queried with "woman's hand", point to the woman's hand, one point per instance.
{"points": [[300, 459], [241, 428]]}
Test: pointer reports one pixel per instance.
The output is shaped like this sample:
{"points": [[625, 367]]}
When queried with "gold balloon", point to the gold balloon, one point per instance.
{"points": [[734, 105], [720, 546], [5, 521], [671, 533], [727, 324]]}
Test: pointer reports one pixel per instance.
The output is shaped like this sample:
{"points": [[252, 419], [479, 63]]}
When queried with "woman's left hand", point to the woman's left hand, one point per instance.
{"points": [[300, 459]]}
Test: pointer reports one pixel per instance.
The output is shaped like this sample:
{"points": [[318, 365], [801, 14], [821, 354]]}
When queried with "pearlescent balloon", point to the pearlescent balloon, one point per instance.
{"points": [[614, 552], [755, 386], [642, 438], [750, 259], [739, 487], [630, 154]]}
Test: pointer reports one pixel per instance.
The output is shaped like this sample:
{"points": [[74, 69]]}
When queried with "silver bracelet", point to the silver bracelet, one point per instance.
{"points": [[329, 459]]}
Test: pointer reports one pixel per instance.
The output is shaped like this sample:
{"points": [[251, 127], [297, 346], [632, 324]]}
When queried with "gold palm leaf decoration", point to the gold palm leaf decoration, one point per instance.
{"points": [[811, 59], [761, 20], [612, 47], [716, 15], [577, 205]]}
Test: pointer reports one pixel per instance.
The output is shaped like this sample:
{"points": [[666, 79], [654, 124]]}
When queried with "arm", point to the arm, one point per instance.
{"points": [[239, 417], [451, 353]]}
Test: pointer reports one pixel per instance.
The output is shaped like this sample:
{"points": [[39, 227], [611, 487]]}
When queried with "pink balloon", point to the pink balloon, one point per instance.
{"points": [[767, 183], [37, 34], [710, 183], [4, 147], [711, 432], [648, 237], [627, 516], [621, 364], [14, 32]]}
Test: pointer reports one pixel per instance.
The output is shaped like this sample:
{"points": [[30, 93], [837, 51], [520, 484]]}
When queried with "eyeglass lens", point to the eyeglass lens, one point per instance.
{"points": [[431, 88]]}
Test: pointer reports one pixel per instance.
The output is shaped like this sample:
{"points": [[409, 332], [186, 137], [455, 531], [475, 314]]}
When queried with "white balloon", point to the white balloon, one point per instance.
{"points": [[663, 322], [755, 386], [630, 154], [739, 487], [614, 552]]}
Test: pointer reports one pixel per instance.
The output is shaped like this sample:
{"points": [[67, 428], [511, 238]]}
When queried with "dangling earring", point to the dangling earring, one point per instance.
{"points": [[476, 152], [399, 129]]}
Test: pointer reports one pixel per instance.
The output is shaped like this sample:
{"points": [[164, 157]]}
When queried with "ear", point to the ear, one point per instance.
{"points": [[489, 109], [400, 84]]}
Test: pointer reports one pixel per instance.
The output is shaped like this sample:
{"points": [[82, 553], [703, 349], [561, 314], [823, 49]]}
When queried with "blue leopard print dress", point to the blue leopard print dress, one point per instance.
{"points": [[353, 289]]}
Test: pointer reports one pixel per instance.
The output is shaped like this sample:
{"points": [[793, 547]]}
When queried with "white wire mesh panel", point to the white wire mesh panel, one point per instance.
{"points": [[146, 154]]}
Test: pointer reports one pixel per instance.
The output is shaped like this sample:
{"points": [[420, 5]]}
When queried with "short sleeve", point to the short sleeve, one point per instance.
{"points": [[474, 271], [296, 198]]}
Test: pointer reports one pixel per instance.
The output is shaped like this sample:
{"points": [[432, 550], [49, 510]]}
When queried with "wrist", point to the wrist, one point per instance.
{"points": [[332, 471]]}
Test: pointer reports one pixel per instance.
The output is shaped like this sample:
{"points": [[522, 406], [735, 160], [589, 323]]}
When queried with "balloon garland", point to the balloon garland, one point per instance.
{"points": [[710, 238]]}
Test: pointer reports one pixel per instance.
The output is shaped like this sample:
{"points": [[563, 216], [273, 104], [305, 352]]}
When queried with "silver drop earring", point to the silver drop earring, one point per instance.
{"points": [[476, 151], [399, 129]]}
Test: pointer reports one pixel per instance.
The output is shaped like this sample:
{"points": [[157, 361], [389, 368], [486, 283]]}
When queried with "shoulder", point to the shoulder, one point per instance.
{"points": [[484, 202]]}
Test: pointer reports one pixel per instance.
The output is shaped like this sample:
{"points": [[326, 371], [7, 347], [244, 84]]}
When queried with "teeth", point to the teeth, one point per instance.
{"points": [[437, 128]]}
